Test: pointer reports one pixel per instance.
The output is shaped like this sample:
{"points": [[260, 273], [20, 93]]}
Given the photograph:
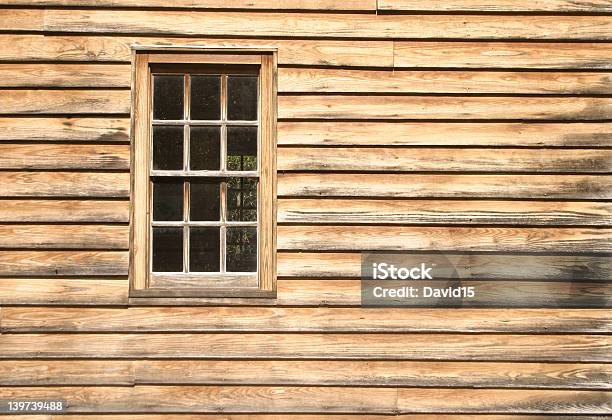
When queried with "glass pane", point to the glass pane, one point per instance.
{"points": [[167, 97], [242, 199], [242, 98], [168, 148], [204, 249], [205, 97], [241, 249], [168, 199], [167, 249], [205, 152], [241, 148], [204, 200]]}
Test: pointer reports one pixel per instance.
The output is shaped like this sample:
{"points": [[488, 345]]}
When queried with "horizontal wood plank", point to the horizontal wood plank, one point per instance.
{"points": [[359, 211], [74, 372], [442, 160], [339, 133], [22, 19], [567, 348], [65, 156], [300, 80], [64, 101], [42, 211], [328, 25], [336, 292], [49, 291], [281, 319], [209, 4], [63, 263], [372, 373], [442, 107], [65, 75], [556, 6], [529, 55], [444, 186], [64, 184], [64, 236], [99, 130], [117, 49], [576, 268], [397, 238]]}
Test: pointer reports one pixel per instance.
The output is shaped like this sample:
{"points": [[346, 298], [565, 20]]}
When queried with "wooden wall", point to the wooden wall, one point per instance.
{"points": [[463, 125]]}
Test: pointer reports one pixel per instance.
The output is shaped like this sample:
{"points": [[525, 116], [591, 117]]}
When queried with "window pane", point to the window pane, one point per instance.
{"points": [[168, 200], [168, 148], [242, 148], [167, 249], [205, 152], [167, 97], [242, 98], [241, 249], [204, 249], [242, 199], [205, 97], [204, 200]]}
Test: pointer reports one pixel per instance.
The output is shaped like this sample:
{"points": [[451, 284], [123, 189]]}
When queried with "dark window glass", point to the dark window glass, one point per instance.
{"points": [[205, 97], [204, 200], [167, 97], [205, 148], [204, 249], [242, 199], [167, 249], [242, 148], [168, 199], [242, 98], [241, 249], [168, 148]]}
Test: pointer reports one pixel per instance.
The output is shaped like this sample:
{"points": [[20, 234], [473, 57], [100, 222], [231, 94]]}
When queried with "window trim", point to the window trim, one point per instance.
{"points": [[190, 286]]}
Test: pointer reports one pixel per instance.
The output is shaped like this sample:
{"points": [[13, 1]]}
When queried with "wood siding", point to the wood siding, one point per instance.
{"points": [[455, 126]]}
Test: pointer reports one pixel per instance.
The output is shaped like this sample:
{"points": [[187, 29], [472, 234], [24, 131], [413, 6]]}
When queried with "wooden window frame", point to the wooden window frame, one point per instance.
{"points": [[143, 284]]}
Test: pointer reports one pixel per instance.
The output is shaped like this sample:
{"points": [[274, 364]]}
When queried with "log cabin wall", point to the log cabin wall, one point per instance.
{"points": [[450, 126]]}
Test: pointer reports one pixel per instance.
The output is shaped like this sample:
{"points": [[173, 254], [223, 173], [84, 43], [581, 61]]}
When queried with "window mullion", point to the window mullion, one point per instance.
{"points": [[223, 191], [186, 184]]}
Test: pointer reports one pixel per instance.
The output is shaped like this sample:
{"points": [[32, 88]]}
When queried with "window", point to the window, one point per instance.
{"points": [[203, 173]]}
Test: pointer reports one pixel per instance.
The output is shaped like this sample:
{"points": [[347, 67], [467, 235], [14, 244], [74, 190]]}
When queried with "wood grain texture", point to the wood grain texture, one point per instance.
{"points": [[65, 156], [214, 399], [64, 75], [512, 294], [529, 55], [117, 49], [74, 372], [42, 211], [444, 186], [556, 6], [360, 211], [442, 107], [328, 25], [55, 291], [576, 268], [339, 133], [281, 319], [425, 81], [301, 373], [64, 236], [63, 263], [443, 160], [22, 19], [64, 184], [567, 348], [99, 130], [389, 238], [372, 373], [210, 4], [515, 401], [64, 102]]}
